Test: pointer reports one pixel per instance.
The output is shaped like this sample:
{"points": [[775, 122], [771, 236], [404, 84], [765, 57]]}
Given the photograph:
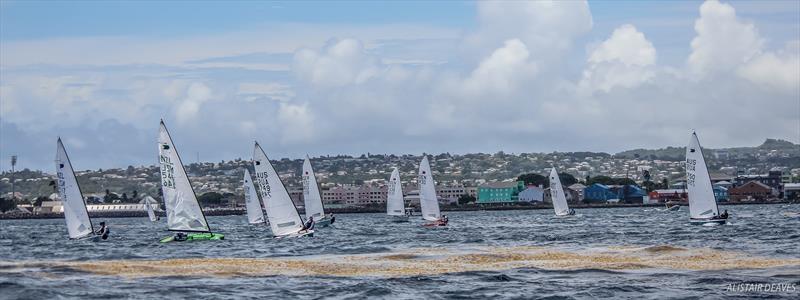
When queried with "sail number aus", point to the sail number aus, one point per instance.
{"points": [[691, 166], [263, 184]]}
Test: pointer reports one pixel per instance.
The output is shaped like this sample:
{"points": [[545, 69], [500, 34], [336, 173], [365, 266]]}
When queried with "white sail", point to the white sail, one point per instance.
{"points": [[394, 201], [702, 204], [557, 194], [183, 211], [312, 198], [281, 212], [254, 213], [78, 223], [148, 203], [427, 192]]}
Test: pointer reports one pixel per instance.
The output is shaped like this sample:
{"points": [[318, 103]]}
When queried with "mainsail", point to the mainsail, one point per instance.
{"points": [[183, 211], [78, 223], [394, 202], [427, 192], [148, 203], [312, 198], [557, 194], [281, 212], [702, 204], [254, 213]]}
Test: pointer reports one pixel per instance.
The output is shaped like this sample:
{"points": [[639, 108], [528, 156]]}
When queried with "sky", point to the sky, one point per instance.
{"points": [[401, 77]]}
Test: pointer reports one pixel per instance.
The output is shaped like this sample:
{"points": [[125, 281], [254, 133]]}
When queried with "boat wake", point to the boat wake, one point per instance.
{"points": [[420, 262]]}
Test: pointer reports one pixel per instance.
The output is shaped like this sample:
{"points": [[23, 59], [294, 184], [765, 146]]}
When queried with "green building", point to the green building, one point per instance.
{"points": [[500, 192]]}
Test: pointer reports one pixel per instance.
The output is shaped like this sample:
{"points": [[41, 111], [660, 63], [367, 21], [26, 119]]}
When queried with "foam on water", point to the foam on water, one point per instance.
{"points": [[430, 261]]}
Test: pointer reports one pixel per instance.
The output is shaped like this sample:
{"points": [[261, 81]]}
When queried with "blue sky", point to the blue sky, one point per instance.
{"points": [[392, 77]]}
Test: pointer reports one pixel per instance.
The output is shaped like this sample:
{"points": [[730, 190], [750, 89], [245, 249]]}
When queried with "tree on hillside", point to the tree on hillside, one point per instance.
{"points": [[466, 199], [210, 199], [533, 179], [566, 179], [610, 181], [6, 205]]}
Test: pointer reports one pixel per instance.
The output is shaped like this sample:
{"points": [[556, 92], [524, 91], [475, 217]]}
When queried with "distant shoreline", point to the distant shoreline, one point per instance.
{"points": [[240, 211]]}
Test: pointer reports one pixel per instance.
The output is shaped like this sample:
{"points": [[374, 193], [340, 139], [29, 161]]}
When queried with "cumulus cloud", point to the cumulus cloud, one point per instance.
{"points": [[502, 71], [547, 28], [623, 60], [297, 122], [723, 40], [779, 70], [511, 83], [196, 94], [342, 62]]}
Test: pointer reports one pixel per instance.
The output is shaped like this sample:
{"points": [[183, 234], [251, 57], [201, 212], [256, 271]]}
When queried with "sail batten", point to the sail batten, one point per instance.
{"points": [[75, 213], [394, 202], [702, 204], [312, 198], [183, 210], [254, 213], [428, 201], [281, 212], [557, 194]]}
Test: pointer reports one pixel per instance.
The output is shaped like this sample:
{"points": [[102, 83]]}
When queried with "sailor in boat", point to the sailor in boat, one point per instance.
{"points": [[442, 221], [722, 216], [333, 218], [309, 225], [103, 231], [180, 237]]}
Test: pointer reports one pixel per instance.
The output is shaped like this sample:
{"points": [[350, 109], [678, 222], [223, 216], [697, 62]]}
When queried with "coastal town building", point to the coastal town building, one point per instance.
{"points": [[751, 191], [532, 194], [500, 192]]}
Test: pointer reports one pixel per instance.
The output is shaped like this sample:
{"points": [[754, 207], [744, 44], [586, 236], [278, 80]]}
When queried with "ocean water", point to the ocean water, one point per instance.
{"points": [[613, 253]]}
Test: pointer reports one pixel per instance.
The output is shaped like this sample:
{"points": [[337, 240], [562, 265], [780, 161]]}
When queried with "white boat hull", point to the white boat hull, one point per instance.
{"points": [[302, 233], [708, 221]]}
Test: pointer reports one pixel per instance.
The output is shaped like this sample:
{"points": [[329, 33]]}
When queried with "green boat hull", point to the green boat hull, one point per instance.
{"points": [[205, 236]]}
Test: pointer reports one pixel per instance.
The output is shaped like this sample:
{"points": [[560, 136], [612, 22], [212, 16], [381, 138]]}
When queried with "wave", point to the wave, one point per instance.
{"points": [[428, 261]]}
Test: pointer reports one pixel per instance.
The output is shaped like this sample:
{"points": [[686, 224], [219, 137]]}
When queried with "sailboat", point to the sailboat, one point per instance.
{"points": [[428, 201], [557, 194], [702, 204], [79, 225], [312, 198], [184, 214], [284, 220], [254, 213], [148, 203], [395, 207]]}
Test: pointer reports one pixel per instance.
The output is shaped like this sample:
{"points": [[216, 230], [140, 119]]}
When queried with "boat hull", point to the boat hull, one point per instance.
{"points": [[674, 208], [204, 236], [707, 221], [324, 222], [306, 233]]}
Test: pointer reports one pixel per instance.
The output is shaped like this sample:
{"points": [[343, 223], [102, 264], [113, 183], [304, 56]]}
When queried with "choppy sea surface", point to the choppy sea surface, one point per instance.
{"points": [[613, 253]]}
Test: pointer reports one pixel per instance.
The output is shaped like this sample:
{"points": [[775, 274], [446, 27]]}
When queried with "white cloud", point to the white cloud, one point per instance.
{"points": [[779, 71], [297, 122], [625, 59], [547, 28], [196, 95], [502, 71], [723, 41], [342, 62]]}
